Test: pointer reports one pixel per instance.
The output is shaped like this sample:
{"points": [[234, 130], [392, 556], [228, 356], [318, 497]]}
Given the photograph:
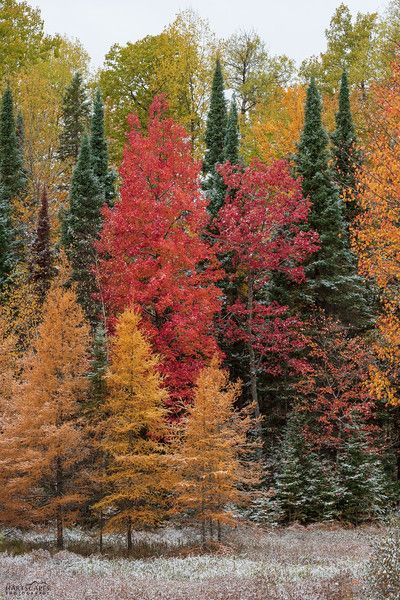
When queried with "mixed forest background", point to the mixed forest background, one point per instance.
{"points": [[199, 277]]}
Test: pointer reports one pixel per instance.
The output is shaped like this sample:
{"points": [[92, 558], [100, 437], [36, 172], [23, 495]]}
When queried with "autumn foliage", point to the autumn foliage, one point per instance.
{"points": [[211, 458], [154, 255], [137, 479]]}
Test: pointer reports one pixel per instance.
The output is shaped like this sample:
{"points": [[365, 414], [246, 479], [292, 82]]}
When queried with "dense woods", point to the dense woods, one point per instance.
{"points": [[199, 278]]}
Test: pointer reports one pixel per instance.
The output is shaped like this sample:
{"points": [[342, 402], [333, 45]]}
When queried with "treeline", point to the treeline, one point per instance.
{"points": [[210, 328]]}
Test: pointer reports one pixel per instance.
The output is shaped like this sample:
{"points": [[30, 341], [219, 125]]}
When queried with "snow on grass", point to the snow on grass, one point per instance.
{"points": [[286, 564]]}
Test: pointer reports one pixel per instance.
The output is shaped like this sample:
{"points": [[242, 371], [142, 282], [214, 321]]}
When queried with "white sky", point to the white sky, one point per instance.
{"points": [[292, 27]]}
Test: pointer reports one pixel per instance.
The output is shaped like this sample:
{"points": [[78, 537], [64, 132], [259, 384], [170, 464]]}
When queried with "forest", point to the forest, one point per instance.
{"points": [[200, 287]]}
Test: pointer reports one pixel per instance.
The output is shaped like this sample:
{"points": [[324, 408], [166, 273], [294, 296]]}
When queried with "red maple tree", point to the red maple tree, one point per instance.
{"points": [[152, 252], [262, 231]]}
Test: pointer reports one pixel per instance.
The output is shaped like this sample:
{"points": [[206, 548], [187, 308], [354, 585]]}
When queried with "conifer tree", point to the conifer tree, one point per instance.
{"points": [[364, 486], [75, 118], [304, 483], [99, 149], [81, 224], [345, 153], [12, 184], [212, 469], [137, 476], [333, 283], [232, 136], [42, 255], [44, 444], [215, 142]]}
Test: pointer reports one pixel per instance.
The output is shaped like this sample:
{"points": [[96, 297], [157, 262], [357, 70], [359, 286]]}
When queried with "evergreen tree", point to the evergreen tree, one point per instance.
{"points": [[99, 363], [99, 148], [364, 486], [75, 118], [42, 256], [232, 137], [20, 129], [304, 483], [81, 224], [333, 283], [345, 154], [12, 184], [215, 142]]}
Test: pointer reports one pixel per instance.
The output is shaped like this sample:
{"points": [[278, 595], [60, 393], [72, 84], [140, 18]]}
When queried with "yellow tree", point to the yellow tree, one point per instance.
{"points": [[43, 447], [376, 235], [216, 461], [277, 125], [137, 479]]}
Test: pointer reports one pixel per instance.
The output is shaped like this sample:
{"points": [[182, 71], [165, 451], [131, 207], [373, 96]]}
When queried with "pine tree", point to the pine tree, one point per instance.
{"points": [[345, 153], [42, 255], [333, 283], [215, 142], [137, 476], [44, 445], [12, 184], [364, 485], [232, 136], [212, 468], [81, 225], [75, 118], [99, 149]]}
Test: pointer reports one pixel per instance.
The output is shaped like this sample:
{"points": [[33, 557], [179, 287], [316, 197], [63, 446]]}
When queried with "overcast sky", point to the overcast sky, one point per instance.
{"points": [[292, 27]]}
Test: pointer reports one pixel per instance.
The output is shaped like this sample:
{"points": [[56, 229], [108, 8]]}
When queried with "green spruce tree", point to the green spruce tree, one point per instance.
{"points": [[333, 282], [232, 136], [13, 183], [81, 224], [75, 118], [364, 486], [99, 149], [304, 484], [215, 142], [346, 156]]}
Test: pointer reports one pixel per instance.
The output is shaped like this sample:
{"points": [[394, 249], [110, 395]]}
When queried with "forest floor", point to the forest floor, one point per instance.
{"points": [[296, 563]]}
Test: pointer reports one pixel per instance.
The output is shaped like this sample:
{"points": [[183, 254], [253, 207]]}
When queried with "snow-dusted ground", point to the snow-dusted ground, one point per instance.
{"points": [[297, 563]]}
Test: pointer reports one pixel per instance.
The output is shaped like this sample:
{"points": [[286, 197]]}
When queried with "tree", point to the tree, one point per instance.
{"points": [[215, 142], [376, 234], [12, 184], [352, 45], [178, 63], [304, 485], [42, 112], [213, 473], [152, 252], [75, 118], [22, 38], [44, 444], [42, 254], [333, 282], [232, 135], [81, 224], [334, 392], [216, 122], [99, 150], [251, 72], [137, 476], [364, 485], [346, 156], [260, 228]]}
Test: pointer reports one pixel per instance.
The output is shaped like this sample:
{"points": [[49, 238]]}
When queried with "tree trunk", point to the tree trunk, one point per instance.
{"points": [[211, 529], [59, 512], [219, 531], [101, 533], [250, 347], [129, 535]]}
